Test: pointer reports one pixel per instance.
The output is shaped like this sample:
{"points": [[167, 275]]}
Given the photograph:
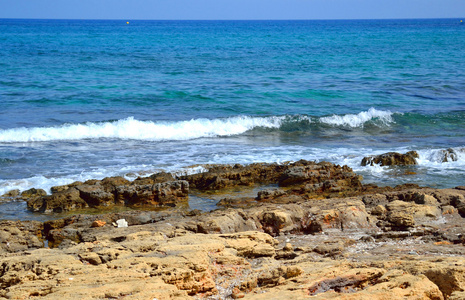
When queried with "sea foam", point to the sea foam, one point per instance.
{"points": [[131, 128], [358, 120]]}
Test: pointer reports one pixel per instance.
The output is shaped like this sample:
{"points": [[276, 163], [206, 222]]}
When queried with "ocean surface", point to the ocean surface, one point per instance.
{"points": [[84, 99]]}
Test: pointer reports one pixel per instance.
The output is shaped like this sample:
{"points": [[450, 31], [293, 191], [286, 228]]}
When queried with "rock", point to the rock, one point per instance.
{"points": [[374, 199], [379, 210], [162, 177], [110, 182], [403, 215], [109, 192], [457, 296], [225, 253], [251, 244], [450, 154], [288, 247], [33, 193], [400, 221], [11, 194], [61, 188], [91, 257], [95, 195], [269, 194], [321, 176], [223, 176], [65, 200], [159, 194], [330, 248], [18, 236], [228, 221], [98, 223], [275, 221], [278, 276], [391, 159], [337, 214]]}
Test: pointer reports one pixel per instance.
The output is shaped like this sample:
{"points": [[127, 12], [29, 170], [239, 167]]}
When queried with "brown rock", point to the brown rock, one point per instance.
{"points": [[98, 223], [19, 236], [61, 188], [58, 202], [158, 194], [95, 195], [330, 248], [33, 193], [11, 194], [391, 159]]}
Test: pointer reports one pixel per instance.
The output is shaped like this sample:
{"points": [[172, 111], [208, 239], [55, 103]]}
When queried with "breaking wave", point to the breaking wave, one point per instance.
{"points": [[358, 120], [131, 128]]}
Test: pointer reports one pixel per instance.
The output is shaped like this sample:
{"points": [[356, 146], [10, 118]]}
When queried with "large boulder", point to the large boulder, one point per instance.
{"points": [[391, 159]]}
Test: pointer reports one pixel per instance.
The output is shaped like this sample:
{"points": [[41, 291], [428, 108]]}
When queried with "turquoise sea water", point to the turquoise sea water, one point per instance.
{"points": [[90, 99]]}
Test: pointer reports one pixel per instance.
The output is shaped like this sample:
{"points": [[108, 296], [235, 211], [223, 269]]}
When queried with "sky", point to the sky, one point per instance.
{"points": [[231, 9]]}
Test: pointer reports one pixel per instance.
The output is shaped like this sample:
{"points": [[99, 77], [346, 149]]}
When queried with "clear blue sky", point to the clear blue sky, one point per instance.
{"points": [[231, 9]]}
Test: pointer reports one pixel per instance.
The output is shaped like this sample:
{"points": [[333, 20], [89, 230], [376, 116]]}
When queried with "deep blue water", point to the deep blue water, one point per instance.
{"points": [[89, 99]]}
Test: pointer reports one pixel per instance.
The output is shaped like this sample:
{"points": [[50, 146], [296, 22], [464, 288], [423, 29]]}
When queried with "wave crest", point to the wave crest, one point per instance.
{"points": [[131, 128], [358, 120]]}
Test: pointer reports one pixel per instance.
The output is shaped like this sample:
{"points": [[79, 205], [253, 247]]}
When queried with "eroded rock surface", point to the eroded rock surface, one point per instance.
{"points": [[164, 190], [391, 159], [394, 243], [111, 192], [318, 233]]}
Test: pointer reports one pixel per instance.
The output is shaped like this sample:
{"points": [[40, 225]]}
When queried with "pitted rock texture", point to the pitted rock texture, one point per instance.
{"points": [[391, 159]]}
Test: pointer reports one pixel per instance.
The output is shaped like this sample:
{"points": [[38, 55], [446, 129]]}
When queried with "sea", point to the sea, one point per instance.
{"points": [[88, 99]]}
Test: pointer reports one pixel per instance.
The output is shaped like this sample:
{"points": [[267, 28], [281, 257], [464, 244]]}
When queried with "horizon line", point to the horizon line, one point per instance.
{"points": [[329, 19]]}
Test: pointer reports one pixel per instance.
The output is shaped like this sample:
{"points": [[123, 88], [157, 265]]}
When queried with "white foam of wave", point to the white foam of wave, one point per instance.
{"points": [[47, 182], [131, 128], [433, 158], [39, 182], [359, 119], [429, 166]]}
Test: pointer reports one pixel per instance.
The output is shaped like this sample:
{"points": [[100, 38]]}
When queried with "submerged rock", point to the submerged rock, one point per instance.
{"points": [[450, 154], [391, 159]]}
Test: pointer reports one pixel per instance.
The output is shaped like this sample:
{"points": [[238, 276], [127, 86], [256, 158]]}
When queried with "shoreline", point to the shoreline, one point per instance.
{"points": [[318, 232]]}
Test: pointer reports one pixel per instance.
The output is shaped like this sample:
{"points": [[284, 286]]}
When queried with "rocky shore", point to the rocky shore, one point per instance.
{"points": [[313, 232]]}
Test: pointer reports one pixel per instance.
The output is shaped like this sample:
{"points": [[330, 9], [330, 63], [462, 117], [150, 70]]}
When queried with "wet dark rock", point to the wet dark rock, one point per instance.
{"points": [[33, 193], [224, 176], [110, 192], [269, 194], [58, 202], [60, 188], [391, 159], [450, 154], [11, 194]]}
